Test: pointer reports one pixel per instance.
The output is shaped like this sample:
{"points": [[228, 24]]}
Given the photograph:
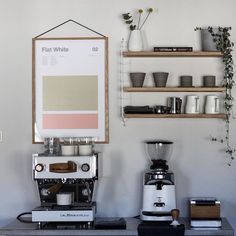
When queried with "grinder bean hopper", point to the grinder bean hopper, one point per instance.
{"points": [[158, 183]]}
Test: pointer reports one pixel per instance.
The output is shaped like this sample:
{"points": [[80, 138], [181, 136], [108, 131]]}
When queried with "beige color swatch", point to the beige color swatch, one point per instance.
{"points": [[70, 93]]}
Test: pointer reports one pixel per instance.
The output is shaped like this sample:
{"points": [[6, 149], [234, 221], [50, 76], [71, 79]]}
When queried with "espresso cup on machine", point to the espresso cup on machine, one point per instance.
{"points": [[67, 150], [64, 199], [85, 149]]}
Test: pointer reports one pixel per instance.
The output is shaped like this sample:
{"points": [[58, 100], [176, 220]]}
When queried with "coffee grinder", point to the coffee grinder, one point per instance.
{"points": [[158, 183]]}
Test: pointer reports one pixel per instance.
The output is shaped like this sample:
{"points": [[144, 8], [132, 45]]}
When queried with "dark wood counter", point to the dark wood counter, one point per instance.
{"points": [[29, 229]]}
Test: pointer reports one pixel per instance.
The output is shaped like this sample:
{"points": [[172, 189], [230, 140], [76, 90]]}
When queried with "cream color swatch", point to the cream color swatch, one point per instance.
{"points": [[70, 93]]}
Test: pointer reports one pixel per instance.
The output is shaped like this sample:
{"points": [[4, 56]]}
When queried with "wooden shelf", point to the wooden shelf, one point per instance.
{"points": [[218, 116], [173, 54], [174, 89]]}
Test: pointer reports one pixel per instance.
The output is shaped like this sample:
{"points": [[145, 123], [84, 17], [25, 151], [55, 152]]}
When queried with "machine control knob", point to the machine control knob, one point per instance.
{"points": [[85, 167], [39, 167]]}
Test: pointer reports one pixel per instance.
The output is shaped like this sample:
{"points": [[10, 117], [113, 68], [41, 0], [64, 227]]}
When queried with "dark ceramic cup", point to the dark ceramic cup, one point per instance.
{"points": [[160, 78], [209, 81], [186, 81], [137, 79]]}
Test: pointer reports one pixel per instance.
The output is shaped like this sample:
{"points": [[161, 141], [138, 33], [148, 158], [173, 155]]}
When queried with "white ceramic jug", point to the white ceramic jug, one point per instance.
{"points": [[192, 104], [135, 41], [212, 105]]}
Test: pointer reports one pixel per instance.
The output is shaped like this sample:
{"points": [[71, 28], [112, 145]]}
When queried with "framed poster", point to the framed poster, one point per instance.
{"points": [[70, 88]]}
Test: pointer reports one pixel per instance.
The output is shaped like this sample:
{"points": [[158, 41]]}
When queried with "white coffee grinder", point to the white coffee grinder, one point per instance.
{"points": [[158, 183]]}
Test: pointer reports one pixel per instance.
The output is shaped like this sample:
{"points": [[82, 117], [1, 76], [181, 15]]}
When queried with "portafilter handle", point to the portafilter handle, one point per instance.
{"points": [[54, 189]]}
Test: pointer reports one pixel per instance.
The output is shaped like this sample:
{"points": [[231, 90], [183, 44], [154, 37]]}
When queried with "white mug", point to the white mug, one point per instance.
{"points": [[212, 105], [67, 150], [192, 104], [85, 149]]}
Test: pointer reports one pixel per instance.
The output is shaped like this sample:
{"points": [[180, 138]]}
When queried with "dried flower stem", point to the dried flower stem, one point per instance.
{"points": [[149, 12]]}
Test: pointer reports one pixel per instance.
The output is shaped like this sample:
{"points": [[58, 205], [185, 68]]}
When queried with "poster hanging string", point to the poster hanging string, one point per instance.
{"points": [[66, 23]]}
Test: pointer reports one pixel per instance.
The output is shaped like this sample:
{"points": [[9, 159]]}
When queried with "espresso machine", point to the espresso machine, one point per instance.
{"points": [[66, 186], [158, 183]]}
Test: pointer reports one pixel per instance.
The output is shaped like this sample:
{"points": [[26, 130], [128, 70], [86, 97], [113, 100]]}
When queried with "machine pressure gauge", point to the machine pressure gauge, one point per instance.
{"points": [[39, 167], [85, 167]]}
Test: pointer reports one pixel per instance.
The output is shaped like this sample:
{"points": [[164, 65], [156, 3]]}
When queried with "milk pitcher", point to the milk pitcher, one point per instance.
{"points": [[212, 105], [174, 104], [192, 104]]}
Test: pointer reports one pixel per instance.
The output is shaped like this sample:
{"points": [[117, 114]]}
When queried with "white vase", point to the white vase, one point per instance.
{"points": [[135, 41]]}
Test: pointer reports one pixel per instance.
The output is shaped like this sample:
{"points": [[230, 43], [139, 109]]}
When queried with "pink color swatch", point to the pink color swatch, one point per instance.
{"points": [[70, 121]]}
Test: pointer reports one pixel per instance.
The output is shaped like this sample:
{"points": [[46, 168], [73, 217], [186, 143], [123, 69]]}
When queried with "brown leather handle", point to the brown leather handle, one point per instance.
{"points": [[68, 167], [55, 188]]}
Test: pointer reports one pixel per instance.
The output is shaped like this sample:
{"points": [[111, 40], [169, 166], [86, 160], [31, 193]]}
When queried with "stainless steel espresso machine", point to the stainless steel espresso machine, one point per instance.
{"points": [[66, 186], [159, 187]]}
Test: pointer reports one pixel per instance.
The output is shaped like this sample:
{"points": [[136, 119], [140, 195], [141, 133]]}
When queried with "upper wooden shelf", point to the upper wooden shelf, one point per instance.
{"points": [[205, 116], [174, 89], [173, 54]]}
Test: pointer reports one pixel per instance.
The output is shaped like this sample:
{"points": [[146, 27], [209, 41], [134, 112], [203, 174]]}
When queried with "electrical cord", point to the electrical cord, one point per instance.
{"points": [[20, 217]]}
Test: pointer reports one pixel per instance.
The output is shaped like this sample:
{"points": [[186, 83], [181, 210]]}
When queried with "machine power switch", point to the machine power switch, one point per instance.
{"points": [[85, 167], [39, 167]]}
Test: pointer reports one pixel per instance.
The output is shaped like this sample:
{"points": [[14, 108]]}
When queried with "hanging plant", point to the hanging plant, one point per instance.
{"points": [[221, 38]]}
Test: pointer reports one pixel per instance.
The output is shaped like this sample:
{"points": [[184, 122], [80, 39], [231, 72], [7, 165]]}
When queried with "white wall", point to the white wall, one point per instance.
{"points": [[199, 165]]}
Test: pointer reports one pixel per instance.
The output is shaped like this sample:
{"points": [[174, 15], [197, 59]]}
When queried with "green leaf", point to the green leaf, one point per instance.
{"points": [[126, 16], [129, 21], [132, 27]]}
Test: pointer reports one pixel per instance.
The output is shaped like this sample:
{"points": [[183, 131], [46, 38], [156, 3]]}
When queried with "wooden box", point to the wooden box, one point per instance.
{"points": [[204, 208]]}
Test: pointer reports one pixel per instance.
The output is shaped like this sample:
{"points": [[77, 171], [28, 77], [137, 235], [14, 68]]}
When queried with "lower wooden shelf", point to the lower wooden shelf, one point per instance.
{"points": [[218, 116]]}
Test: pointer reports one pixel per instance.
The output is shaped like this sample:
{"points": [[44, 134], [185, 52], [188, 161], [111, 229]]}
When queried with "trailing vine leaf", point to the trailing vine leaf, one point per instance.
{"points": [[223, 43]]}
